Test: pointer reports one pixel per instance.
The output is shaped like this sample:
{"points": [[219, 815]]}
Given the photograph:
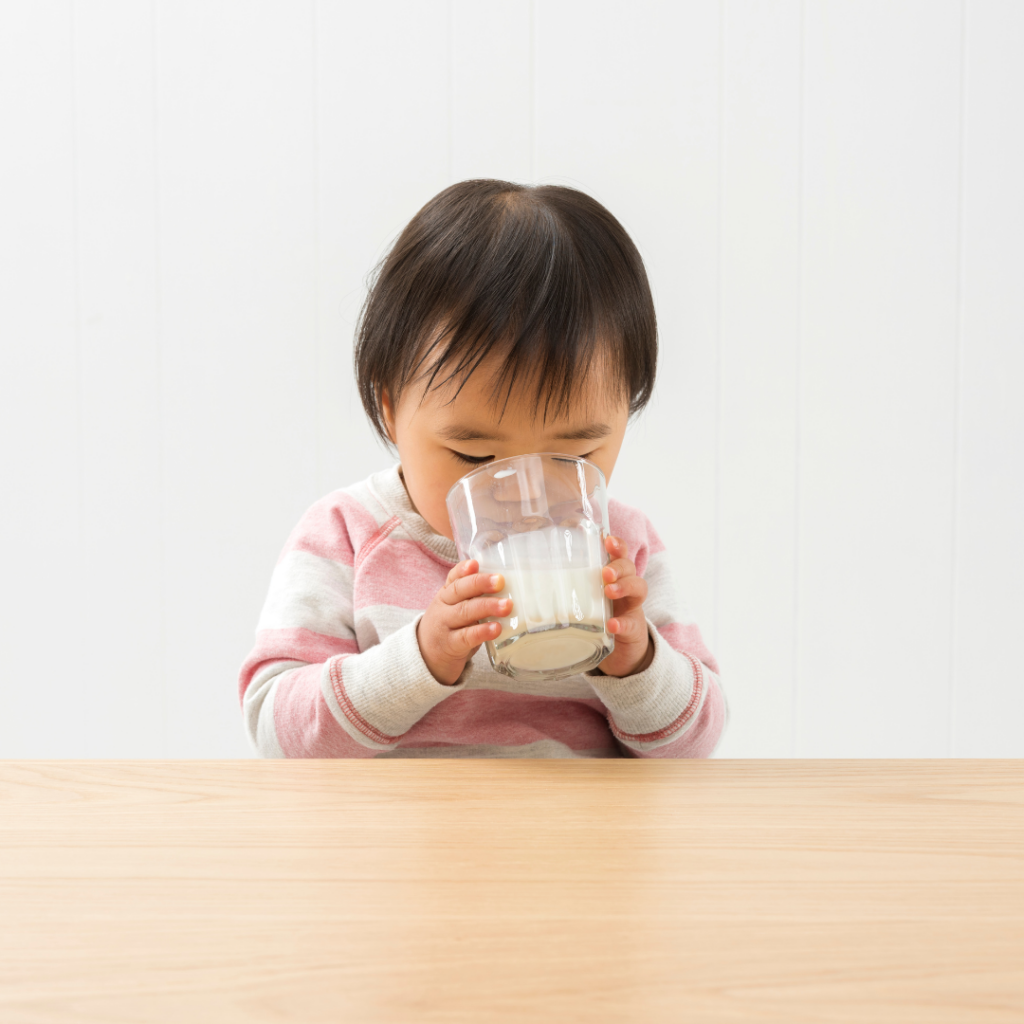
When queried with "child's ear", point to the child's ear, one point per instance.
{"points": [[388, 412]]}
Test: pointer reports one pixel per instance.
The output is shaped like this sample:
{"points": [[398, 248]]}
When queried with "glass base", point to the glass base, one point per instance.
{"points": [[552, 653]]}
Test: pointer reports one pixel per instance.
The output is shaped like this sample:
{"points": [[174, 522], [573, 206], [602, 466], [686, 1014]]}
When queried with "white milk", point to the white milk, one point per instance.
{"points": [[557, 621]]}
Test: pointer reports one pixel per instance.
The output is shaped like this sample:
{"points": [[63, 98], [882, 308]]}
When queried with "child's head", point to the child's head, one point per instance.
{"points": [[505, 320]]}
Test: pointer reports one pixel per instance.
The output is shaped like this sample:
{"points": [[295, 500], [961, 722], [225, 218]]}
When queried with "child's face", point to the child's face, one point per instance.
{"points": [[440, 440]]}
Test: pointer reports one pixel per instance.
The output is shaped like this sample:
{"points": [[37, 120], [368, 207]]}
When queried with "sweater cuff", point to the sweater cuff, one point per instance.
{"points": [[379, 694], [654, 706]]}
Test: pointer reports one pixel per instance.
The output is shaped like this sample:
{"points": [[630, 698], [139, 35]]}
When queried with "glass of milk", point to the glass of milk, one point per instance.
{"points": [[540, 520]]}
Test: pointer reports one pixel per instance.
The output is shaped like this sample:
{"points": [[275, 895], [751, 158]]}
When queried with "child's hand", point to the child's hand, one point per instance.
{"points": [[451, 631], [627, 591]]}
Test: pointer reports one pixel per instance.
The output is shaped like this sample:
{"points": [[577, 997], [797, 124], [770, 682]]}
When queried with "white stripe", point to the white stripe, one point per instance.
{"points": [[258, 706], [368, 498], [310, 592], [389, 685], [652, 700], [376, 622], [266, 731], [663, 605], [331, 699], [687, 726]]}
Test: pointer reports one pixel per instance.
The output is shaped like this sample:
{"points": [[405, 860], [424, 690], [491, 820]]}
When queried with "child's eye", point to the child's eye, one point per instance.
{"points": [[473, 460]]}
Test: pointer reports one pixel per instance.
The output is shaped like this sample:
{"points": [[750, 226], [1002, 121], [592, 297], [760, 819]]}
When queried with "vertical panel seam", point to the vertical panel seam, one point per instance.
{"points": [[159, 327], [76, 243], [532, 57], [719, 230], [318, 424], [954, 606], [797, 424], [451, 93], [77, 306]]}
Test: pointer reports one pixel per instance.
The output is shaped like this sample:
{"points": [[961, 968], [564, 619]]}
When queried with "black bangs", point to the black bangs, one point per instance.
{"points": [[543, 277]]}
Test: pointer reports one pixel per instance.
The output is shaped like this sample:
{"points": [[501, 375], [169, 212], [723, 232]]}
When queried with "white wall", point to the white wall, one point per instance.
{"points": [[828, 196]]}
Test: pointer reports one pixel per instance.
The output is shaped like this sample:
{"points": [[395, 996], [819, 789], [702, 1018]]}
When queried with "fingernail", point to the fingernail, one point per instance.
{"points": [[494, 580]]}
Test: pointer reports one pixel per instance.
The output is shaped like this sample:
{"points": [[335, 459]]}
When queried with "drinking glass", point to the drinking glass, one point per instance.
{"points": [[540, 520]]}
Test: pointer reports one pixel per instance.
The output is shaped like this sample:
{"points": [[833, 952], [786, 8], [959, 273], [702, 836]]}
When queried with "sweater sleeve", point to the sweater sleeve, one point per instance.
{"points": [[676, 706], [307, 689]]}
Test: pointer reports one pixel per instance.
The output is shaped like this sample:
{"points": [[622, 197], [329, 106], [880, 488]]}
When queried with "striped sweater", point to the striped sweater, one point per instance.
{"points": [[337, 670]]}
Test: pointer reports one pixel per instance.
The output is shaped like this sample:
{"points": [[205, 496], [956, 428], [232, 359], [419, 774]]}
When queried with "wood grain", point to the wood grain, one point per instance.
{"points": [[512, 891]]}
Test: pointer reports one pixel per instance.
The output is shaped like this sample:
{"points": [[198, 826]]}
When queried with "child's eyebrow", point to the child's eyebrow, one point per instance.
{"points": [[468, 434], [593, 432]]}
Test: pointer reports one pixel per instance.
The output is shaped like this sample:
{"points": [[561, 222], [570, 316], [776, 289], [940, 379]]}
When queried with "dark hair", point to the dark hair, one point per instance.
{"points": [[543, 274]]}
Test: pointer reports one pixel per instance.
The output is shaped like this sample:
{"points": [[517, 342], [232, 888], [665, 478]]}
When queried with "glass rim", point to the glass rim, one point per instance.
{"points": [[528, 455]]}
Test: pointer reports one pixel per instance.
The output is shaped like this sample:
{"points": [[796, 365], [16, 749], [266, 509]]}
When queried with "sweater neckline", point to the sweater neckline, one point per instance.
{"points": [[389, 489]]}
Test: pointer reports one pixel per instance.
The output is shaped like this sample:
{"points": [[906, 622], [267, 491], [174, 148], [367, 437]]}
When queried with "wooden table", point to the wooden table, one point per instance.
{"points": [[482, 891]]}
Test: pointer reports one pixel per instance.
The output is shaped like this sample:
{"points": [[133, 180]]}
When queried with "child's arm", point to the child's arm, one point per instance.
{"points": [[669, 704], [307, 689]]}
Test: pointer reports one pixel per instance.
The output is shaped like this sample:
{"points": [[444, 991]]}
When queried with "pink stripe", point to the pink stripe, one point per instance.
{"points": [[433, 556], [303, 722], [303, 644], [397, 574], [688, 640], [382, 534], [336, 527], [291, 645], [511, 719]]}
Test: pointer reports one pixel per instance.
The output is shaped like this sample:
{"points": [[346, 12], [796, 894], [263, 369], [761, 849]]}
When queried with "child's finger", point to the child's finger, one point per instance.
{"points": [[634, 587], [615, 547], [626, 605], [617, 570], [628, 628], [465, 587], [467, 639], [462, 569], [465, 613]]}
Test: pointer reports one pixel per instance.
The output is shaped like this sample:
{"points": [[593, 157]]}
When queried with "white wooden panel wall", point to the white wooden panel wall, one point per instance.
{"points": [[759, 339], [41, 449], [827, 195], [877, 375], [121, 596], [987, 700]]}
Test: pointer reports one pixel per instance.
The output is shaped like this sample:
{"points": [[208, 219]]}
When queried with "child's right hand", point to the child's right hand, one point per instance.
{"points": [[451, 631]]}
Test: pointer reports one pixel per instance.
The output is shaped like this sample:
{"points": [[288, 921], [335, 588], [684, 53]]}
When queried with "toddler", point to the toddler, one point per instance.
{"points": [[505, 320]]}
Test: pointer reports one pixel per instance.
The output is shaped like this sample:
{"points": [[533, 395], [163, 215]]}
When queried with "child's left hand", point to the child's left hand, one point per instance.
{"points": [[634, 650]]}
